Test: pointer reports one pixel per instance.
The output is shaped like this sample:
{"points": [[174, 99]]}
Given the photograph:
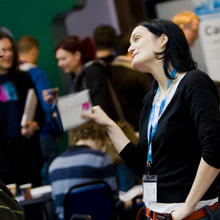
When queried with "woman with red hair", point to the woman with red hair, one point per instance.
{"points": [[76, 58]]}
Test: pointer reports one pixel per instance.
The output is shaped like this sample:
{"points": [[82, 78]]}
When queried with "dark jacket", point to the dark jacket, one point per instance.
{"points": [[22, 83], [93, 77], [20, 158], [188, 129], [130, 86], [9, 207]]}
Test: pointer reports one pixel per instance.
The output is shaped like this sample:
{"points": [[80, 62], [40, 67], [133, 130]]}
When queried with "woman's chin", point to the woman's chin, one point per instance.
{"points": [[136, 66]]}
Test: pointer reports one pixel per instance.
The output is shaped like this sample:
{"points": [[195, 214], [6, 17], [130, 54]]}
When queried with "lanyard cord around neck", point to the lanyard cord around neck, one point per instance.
{"points": [[152, 129]]}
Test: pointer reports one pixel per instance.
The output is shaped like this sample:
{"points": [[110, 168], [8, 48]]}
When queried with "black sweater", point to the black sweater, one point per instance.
{"points": [[23, 83], [188, 129]]}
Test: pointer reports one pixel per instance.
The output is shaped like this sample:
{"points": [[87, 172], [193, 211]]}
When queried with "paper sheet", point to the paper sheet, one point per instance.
{"points": [[30, 107], [71, 108]]}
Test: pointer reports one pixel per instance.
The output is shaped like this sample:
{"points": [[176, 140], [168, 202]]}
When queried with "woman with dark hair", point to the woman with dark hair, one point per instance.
{"points": [[76, 57], [178, 151], [20, 154]]}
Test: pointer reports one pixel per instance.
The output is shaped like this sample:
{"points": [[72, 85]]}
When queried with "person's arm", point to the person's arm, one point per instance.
{"points": [[117, 136], [202, 99], [205, 176]]}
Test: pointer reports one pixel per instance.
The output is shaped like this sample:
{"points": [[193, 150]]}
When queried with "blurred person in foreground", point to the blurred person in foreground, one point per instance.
{"points": [[10, 209], [178, 151], [20, 153]]}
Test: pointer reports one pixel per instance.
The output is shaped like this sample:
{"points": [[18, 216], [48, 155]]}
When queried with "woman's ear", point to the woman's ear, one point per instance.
{"points": [[164, 40]]}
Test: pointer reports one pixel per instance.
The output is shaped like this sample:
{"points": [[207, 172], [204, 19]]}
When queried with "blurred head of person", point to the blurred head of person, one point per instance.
{"points": [[28, 49], [189, 23], [72, 53], [90, 134], [122, 44], [8, 59], [160, 42], [104, 37]]}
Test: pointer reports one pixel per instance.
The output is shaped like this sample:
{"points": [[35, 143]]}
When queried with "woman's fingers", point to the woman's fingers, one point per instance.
{"points": [[93, 114], [88, 116], [98, 115]]}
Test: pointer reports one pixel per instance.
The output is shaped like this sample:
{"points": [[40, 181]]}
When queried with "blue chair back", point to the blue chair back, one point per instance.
{"points": [[94, 199]]}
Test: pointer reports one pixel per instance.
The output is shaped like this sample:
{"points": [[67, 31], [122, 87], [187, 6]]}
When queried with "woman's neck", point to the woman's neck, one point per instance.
{"points": [[160, 76]]}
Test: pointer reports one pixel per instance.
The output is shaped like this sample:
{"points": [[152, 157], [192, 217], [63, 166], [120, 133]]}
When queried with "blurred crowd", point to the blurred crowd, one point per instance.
{"points": [[102, 64]]}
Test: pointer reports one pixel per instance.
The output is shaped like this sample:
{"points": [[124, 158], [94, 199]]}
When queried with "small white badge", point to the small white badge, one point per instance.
{"points": [[150, 188]]}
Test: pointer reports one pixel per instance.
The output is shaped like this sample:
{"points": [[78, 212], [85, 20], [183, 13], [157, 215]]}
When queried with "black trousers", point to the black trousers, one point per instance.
{"points": [[21, 161]]}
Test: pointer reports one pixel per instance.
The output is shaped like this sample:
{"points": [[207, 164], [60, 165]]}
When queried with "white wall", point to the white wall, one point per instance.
{"points": [[95, 13]]}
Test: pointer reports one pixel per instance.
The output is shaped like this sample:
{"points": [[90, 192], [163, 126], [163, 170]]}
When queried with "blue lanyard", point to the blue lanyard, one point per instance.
{"points": [[152, 130]]}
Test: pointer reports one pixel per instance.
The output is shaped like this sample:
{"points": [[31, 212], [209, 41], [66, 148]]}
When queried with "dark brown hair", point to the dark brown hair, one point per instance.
{"points": [[14, 66], [104, 37]]}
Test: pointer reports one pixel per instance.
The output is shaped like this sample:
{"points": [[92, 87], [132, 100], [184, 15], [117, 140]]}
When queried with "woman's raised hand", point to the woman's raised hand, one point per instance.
{"points": [[98, 115], [115, 133]]}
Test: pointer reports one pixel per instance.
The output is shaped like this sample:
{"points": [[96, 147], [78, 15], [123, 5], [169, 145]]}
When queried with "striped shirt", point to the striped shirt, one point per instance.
{"points": [[77, 165]]}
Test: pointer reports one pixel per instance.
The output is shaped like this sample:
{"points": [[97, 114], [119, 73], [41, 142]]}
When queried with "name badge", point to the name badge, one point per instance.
{"points": [[150, 188]]}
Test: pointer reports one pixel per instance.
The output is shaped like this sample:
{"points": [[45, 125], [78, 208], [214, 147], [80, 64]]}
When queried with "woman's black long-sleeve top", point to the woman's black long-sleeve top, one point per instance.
{"points": [[188, 129]]}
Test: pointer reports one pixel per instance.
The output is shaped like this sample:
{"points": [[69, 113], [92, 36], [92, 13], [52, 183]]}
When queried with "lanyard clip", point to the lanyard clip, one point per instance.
{"points": [[148, 167]]}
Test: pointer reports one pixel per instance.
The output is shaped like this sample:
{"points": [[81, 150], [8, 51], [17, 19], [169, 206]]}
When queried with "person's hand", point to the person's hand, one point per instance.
{"points": [[29, 129], [182, 212], [128, 204], [98, 115], [50, 95]]}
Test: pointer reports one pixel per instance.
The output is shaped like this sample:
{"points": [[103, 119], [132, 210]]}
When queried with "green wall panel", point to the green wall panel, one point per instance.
{"points": [[38, 18], [34, 17]]}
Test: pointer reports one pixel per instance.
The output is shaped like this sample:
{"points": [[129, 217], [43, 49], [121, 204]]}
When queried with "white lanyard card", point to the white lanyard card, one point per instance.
{"points": [[150, 188]]}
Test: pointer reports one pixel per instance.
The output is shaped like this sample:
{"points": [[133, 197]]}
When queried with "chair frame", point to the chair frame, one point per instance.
{"points": [[92, 183]]}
